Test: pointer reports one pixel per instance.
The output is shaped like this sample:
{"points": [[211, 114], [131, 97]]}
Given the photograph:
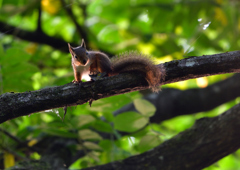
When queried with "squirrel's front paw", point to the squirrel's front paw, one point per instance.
{"points": [[76, 82], [98, 76]]}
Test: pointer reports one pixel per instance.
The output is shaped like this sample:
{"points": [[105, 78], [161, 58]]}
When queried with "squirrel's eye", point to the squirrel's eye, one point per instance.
{"points": [[75, 56], [86, 53]]}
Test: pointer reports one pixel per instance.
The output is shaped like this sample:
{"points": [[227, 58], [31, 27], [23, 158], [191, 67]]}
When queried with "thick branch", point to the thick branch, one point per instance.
{"points": [[173, 102], [206, 65], [15, 105], [209, 140]]}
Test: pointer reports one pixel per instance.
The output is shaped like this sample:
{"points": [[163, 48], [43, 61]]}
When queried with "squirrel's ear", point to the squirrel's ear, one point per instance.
{"points": [[70, 48], [83, 44]]}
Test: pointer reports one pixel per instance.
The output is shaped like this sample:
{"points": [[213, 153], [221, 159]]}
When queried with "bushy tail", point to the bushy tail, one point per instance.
{"points": [[133, 61]]}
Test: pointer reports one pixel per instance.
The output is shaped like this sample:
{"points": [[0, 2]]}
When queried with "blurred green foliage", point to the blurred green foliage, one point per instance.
{"points": [[166, 30]]}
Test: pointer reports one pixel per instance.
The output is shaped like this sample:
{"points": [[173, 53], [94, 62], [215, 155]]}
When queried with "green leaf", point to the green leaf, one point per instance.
{"points": [[24, 69], [144, 107], [108, 116], [102, 126], [15, 56], [61, 133], [88, 134], [109, 34], [106, 144], [130, 121], [110, 104], [148, 142], [18, 77], [92, 146], [57, 123], [1, 52], [82, 120]]}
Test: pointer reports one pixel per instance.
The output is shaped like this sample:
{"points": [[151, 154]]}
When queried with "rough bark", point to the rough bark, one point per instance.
{"points": [[13, 105], [206, 65]]}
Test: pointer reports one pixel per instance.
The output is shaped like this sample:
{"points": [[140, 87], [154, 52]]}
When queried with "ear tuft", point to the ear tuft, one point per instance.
{"points": [[83, 44], [70, 48]]}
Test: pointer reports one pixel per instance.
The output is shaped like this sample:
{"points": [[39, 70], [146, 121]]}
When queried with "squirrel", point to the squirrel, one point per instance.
{"points": [[86, 62]]}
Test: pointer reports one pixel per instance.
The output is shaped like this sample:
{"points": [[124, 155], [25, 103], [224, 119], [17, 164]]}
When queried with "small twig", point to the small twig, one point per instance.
{"points": [[20, 142], [65, 112], [11, 136], [80, 30], [39, 23], [14, 153]]}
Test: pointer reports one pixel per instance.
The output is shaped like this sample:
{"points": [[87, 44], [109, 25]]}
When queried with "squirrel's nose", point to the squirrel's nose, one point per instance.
{"points": [[84, 61]]}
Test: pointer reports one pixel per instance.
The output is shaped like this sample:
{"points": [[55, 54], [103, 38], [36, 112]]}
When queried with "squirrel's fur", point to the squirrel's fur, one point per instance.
{"points": [[86, 62]]}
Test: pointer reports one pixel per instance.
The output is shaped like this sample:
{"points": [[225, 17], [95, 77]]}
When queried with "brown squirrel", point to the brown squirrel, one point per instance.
{"points": [[85, 62]]}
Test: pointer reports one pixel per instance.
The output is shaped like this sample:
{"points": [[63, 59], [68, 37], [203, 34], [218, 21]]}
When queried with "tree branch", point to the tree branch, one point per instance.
{"points": [[206, 65], [16, 154], [38, 37], [20, 104], [55, 154], [209, 140], [39, 21], [11, 136], [173, 102], [80, 30]]}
